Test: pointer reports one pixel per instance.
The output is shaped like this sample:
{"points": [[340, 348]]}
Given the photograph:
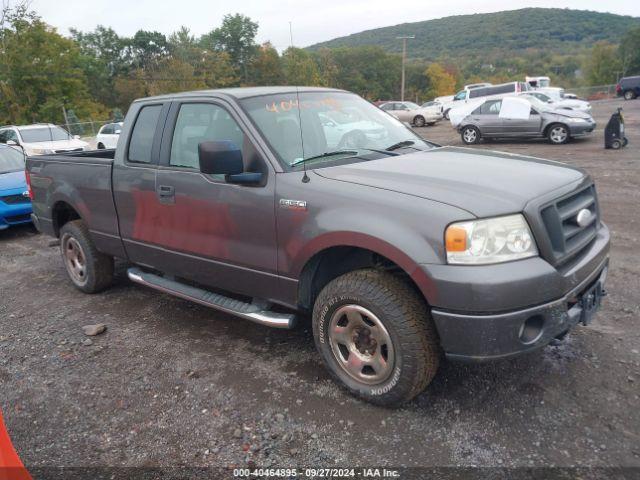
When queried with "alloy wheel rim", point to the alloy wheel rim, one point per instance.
{"points": [[75, 260], [361, 344], [470, 135], [558, 135]]}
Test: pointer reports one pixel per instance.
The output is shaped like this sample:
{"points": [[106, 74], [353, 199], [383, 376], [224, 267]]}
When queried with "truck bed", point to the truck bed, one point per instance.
{"points": [[81, 180]]}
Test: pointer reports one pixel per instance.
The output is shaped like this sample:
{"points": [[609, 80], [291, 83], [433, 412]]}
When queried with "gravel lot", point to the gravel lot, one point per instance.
{"points": [[171, 383]]}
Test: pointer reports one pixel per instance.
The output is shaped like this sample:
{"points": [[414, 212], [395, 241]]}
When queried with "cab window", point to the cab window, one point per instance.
{"points": [[143, 132], [197, 123]]}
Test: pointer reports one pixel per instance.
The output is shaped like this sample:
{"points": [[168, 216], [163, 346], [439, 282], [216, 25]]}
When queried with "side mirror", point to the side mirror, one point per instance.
{"points": [[118, 132], [12, 142], [77, 137], [220, 158]]}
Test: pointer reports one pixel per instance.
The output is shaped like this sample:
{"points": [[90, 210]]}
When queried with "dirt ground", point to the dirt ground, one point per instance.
{"points": [[172, 383]]}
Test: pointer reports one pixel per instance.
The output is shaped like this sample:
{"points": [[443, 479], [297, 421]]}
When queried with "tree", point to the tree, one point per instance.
{"points": [[603, 64], [630, 52], [441, 82], [299, 67], [103, 59], [236, 36], [40, 72], [266, 68], [146, 49]]}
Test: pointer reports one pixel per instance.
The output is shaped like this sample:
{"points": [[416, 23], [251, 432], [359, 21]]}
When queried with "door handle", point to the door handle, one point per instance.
{"points": [[166, 191]]}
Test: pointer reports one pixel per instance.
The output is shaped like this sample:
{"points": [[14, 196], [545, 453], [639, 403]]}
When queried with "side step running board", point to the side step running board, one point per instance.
{"points": [[248, 311]]}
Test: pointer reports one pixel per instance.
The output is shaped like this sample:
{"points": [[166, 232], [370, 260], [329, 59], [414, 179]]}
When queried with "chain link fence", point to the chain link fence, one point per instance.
{"points": [[598, 92]]}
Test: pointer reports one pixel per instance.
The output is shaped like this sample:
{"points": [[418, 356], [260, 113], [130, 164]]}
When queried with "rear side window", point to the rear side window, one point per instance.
{"points": [[143, 133]]}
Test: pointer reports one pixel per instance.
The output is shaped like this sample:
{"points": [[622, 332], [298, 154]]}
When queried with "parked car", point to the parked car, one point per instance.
{"points": [[434, 105], [557, 125], [476, 95], [42, 138], [15, 204], [628, 87], [571, 104], [108, 135], [398, 249], [342, 129], [413, 113]]}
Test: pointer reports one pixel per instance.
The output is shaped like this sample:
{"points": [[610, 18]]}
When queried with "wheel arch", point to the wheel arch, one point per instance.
{"points": [[332, 261], [63, 212]]}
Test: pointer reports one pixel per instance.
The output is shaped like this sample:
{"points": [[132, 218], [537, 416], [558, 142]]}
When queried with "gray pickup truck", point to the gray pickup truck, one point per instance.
{"points": [[272, 201]]}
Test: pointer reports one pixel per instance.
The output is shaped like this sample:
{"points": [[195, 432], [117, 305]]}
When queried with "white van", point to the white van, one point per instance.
{"points": [[482, 93]]}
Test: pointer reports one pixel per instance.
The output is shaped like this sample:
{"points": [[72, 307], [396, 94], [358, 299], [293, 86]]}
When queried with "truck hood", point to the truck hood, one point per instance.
{"points": [[12, 180], [482, 182]]}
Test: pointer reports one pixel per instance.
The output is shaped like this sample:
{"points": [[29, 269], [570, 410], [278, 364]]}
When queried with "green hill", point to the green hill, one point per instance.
{"points": [[552, 30]]}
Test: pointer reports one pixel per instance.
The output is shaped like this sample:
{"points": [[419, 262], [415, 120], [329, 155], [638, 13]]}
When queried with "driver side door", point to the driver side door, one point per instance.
{"points": [[214, 232]]}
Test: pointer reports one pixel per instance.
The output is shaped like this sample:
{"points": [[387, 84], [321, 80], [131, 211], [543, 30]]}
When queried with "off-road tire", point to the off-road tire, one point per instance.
{"points": [[405, 316], [419, 121], [98, 267]]}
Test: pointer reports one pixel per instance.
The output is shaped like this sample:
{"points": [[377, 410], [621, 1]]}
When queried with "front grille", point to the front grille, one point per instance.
{"points": [[560, 219], [14, 199], [18, 218]]}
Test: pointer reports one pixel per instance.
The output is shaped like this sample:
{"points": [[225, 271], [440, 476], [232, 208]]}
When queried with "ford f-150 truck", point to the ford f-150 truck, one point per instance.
{"points": [[401, 251]]}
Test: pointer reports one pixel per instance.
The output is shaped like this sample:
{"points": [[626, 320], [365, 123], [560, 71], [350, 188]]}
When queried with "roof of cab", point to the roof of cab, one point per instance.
{"points": [[241, 92]]}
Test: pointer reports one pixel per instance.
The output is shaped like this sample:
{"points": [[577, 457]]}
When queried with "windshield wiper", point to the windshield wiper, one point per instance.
{"points": [[404, 143], [324, 155]]}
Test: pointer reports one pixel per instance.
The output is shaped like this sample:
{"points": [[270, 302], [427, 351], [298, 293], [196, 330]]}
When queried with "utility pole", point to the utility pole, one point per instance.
{"points": [[404, 57]]}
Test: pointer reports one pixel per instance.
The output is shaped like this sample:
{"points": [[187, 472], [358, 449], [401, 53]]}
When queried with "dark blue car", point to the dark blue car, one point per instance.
{"points": [[15, 204]]}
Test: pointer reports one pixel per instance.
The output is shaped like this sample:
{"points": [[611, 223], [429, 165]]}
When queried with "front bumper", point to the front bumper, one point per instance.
{"points": [[14, 214], [578, 130], [481, 312]]}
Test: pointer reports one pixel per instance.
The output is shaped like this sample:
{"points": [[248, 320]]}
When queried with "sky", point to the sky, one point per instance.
{"points": [[312, 20]]}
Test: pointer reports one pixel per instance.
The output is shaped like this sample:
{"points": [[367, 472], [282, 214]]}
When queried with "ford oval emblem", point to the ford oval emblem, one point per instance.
{"points": [[584, 217]]}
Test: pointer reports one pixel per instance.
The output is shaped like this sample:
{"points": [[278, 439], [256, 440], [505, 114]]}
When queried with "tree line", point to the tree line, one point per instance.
{"points": [[96, 74]]}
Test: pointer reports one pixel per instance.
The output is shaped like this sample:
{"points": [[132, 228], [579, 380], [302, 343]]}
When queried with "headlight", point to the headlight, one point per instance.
{"points": [[576, 120], [493, 240], [42, 151]]}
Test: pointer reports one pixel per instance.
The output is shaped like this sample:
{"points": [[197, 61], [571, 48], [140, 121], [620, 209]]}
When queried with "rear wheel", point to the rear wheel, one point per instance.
{"points": [[470, 135], [375, 336], [88, 269], [558, 134], [418, 121], [616, 144], [629, 95]]}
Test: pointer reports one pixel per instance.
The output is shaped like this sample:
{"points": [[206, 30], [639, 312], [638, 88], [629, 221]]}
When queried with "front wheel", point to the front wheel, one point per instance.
{"points": [[419, 121], [89, 270], [375, 336], [558, 134], [629, 95], [470, 135]]}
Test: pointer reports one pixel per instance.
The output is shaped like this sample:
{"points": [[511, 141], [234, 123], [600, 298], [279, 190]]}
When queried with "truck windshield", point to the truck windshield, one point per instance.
{"points": [[10, 160], [43, 134], [318, 125]]}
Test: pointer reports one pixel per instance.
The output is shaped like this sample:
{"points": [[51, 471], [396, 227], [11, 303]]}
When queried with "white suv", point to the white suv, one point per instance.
{"points": [[41, 139], [108, 135]]}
